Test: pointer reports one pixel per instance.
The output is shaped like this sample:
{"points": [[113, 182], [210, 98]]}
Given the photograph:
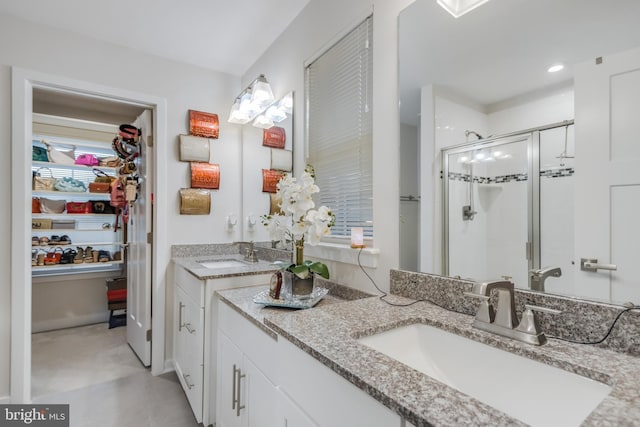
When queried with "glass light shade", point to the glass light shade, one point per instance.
{"points": [[457, 8], [236, 116], [261, 93], [275, 114], [286, 103], [262, 121]]}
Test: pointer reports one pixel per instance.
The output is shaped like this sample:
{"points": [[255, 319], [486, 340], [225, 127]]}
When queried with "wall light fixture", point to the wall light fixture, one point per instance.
{"points": [[252, 101]]}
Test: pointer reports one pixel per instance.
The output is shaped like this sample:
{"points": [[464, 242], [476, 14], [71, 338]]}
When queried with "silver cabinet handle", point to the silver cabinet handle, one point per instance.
{"points": [[233, 389], [180, 316], [239, 407], [186, 377], [235, 392], [590, 264]]}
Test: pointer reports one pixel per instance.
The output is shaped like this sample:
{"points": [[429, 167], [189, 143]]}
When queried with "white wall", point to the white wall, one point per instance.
{"points": [[312, 32], [185, 87]]}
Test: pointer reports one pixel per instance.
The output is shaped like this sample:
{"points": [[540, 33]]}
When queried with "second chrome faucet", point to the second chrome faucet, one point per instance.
{"points": [[503, 319]]}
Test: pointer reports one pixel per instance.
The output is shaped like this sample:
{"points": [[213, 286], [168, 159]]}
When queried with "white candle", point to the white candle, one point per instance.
{"points": [[357, 237]]}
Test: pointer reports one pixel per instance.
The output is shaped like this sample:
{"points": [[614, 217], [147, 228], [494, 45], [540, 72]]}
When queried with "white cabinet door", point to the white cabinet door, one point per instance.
{"points": [[260, 397], [229, 368], [246, 397], [188, 349], [290, 415], [608, 176], [327, 398]]}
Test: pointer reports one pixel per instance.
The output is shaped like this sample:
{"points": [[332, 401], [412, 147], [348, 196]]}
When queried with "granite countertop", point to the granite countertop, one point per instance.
{"points": [[191, 264], [241, 300], [329, 332]]}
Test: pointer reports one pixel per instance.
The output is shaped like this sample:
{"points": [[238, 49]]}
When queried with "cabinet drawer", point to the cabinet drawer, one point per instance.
{"points": [[192, 286]]}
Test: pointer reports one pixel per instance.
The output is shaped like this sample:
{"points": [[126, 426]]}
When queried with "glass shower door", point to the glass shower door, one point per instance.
{"points": [[488, 207]]}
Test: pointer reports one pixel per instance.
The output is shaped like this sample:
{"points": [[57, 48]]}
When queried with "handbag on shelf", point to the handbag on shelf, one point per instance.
{"points": [[39, 154], [102, 176], [87, 160], [99, 187], [35, 205], [71, 185], [110, 162], [60, 157], [102, 207], [44, 183], [52, 206], [79, 208]]}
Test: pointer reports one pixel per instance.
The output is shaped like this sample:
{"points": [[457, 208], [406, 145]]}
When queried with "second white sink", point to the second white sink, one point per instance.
{"points": [[222, 263], [535, 393]]}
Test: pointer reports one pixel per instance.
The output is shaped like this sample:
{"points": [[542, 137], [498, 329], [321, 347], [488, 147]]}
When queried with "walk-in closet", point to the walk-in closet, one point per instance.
{"points": [[89, 168]]}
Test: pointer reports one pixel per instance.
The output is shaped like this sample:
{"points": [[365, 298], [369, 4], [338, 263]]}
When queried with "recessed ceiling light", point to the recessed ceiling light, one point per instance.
{"points": [[555, 68], [457, 8]]}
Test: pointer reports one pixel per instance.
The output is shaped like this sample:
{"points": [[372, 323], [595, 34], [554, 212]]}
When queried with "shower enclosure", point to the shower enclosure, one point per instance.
{"points": [[508, 206]]}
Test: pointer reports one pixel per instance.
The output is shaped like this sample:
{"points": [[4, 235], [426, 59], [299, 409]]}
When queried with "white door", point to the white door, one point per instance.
{"points": [[607, 94], [139, 249]]}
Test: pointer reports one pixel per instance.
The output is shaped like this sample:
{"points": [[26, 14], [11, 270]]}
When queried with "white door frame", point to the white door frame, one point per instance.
{"points": [[22, 83]]}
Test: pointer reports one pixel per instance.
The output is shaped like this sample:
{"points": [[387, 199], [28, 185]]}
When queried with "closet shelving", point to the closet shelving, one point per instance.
{"points": [[89, 230]]}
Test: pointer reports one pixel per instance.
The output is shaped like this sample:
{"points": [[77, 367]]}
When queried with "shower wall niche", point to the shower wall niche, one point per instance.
{"points": [[508, 206]]}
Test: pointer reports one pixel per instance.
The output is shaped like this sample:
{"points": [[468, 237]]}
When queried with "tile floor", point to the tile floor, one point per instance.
{"points": [[93, 370]]}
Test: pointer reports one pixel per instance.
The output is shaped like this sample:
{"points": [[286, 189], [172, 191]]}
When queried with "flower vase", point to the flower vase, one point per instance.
{"points": [[295, 287]]}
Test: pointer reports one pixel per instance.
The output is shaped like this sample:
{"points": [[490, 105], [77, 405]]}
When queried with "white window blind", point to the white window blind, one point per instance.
{"points": [[338, 127]]}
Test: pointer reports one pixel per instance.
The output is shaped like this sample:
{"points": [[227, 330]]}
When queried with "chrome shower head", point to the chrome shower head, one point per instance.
{"points": [[472, 132]]}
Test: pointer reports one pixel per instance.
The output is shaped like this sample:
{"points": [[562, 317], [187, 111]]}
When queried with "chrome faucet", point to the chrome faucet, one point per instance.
{"points": [[250, 254], [503, 320], [537, 277]]}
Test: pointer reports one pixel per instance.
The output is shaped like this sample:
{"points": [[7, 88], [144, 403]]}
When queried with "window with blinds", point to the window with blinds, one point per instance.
{"points": [[338, 129]]}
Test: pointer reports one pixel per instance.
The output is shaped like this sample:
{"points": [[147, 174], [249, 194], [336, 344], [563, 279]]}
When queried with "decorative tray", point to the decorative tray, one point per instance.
{"points": [[316, 295]]}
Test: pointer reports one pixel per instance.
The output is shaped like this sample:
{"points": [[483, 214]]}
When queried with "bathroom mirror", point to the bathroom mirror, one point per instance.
{"points": [[481, 76], [264, 149]]}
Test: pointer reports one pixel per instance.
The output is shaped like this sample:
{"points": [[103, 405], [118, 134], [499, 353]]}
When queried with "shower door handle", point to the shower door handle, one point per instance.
{"points": [[591, 264]]}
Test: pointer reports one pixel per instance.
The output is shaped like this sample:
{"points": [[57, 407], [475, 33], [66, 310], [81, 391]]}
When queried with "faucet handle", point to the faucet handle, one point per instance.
{"points": [[542, 309], [529, 323], [485, 311]]}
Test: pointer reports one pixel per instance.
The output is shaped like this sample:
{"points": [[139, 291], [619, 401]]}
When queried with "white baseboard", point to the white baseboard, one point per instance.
{"points": [[168, 366], [70, 322], [5, 400]]}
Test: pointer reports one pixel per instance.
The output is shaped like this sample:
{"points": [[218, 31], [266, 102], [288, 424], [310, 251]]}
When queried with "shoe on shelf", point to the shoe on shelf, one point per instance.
{"points": [[103, 256], [54, 240], [44, 241], [68, 256], [88, 254], [117, 256], [34, 257], [65, 240], [35, 241], [79, 258], [40, 259]]}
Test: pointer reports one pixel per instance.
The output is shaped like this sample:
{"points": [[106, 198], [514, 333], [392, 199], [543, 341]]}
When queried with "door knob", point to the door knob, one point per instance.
{"points": [[591, 264]]}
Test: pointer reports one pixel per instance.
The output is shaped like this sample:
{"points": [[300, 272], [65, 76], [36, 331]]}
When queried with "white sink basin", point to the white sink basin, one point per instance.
{"points": [[222, 263], [535, 393]]}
